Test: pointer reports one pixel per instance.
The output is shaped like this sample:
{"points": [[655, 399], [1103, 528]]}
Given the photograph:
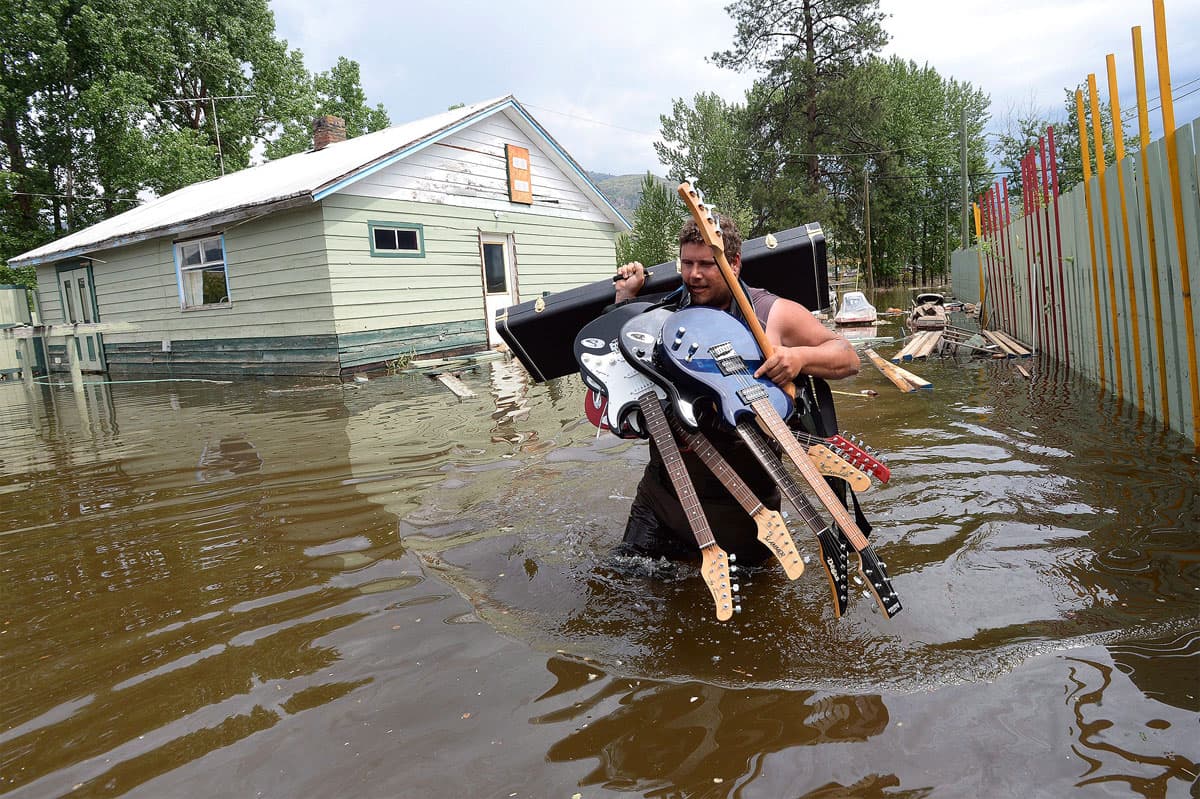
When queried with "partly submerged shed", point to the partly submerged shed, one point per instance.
{"points": [[404, 241]]}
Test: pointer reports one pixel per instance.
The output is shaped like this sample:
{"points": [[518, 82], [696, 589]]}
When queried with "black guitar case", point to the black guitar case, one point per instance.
{"points": [[541, 332]]}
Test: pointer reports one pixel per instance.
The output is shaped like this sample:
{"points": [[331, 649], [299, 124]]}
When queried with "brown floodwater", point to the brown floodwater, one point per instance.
{"points": [[287, 588]]}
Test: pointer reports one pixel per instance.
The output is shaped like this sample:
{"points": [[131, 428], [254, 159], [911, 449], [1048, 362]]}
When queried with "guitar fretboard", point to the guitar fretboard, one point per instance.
{"points": [[770, 461], [660, 430], [720, 467]]}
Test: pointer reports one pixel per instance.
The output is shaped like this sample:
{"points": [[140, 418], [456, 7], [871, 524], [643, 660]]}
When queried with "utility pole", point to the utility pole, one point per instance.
{"points": [[867, 226], [966, 188]]}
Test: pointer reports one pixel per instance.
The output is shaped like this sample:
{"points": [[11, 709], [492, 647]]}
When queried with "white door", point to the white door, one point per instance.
{"points": [[499, 287], [79, 306]]}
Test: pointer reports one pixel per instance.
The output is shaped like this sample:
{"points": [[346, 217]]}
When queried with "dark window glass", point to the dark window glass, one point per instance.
{"points": [[385, 239], [407, 240], [70, 304], [212, 250], [85, 307], [493, 269]]}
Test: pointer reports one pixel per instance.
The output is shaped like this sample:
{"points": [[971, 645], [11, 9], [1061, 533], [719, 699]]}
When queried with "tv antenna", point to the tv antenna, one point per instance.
{"points": [[212, 103]]}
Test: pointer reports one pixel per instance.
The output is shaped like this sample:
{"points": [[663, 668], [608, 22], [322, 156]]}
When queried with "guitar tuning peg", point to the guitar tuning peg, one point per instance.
{"points": [[733, 557], [737, 608], [735, 588]]}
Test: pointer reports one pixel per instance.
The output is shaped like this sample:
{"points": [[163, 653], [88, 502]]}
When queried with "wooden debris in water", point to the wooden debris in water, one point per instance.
{"points": [[903, 379], [920, 346], [454, 384]]}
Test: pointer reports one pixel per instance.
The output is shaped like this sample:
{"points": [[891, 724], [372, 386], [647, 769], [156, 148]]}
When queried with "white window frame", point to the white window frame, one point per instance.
{"points": [[194, 273]]}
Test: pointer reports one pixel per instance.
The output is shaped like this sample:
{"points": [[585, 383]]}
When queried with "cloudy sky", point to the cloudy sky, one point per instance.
{"points": [[598, 75]]}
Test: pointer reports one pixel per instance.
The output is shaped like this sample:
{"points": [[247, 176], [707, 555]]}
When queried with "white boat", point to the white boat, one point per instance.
{"points": [[855, 310]]}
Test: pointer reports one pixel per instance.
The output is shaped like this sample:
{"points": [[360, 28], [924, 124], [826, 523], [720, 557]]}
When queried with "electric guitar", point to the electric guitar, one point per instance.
{"points": [[703, 346], [627, 390], [637, 343]]}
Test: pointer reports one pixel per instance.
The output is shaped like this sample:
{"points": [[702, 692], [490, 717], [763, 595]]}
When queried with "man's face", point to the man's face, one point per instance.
{"points": [[703, 277]]}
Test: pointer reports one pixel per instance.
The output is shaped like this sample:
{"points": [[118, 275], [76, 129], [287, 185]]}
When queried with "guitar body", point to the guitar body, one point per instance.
{"points": [[605, 370], [692, 340], [637, 342]]}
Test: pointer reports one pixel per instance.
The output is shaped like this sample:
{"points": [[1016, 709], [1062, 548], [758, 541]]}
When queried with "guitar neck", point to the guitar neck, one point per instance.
{"points": [[783, 434], [660, 430], [758, 445], [720, 467]]}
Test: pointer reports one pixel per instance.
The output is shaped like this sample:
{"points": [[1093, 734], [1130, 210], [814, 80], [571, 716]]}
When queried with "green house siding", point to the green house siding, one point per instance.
{"points": [[444, 288], [231, 357]]}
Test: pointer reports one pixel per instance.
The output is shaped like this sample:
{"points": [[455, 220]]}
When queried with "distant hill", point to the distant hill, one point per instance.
{"points": [[624, 191]]}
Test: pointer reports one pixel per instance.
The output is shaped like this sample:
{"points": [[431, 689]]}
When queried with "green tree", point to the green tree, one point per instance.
{"points": [[656, 223], [806, 48], [338, 92], [104, 100]]}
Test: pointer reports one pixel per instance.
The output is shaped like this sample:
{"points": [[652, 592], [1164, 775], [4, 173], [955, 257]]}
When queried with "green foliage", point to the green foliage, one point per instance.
{"points": [[656, 223], [104, 100]]}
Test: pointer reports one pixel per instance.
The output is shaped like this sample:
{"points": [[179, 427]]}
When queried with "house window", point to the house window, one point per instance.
{"points": [[397, 240], [202, 272]]}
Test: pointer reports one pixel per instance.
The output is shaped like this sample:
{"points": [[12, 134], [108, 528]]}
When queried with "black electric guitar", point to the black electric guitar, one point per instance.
{"points": [[634, 402], [703, 347], [771, 529]]}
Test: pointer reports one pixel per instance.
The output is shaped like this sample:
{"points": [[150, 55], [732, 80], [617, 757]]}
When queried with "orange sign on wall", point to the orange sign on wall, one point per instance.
{"points": [[519, 189]]}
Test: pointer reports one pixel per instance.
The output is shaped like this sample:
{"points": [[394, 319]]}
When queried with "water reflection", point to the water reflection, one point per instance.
{"points": [[694, 739], [1118, 743]]}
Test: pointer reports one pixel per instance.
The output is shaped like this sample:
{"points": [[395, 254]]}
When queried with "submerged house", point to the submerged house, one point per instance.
{"points": [[400, 242]]}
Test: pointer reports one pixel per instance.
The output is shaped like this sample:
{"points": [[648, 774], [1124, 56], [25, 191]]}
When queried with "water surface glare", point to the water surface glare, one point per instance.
{"points": [[282, 588]]}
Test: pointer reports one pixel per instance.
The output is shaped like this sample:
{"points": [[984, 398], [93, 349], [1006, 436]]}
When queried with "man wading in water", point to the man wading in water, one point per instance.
{"points": [[804, 348]]}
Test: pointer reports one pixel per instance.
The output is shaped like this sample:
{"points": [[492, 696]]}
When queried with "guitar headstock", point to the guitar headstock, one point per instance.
{"points": [[773, 533], [706, 218], [879, 585], [716, 568], [830, 465], [855, 452]]}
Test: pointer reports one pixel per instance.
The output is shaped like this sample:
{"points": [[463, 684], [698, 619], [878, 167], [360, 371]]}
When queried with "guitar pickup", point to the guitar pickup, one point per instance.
{"points": [[752, 394]]}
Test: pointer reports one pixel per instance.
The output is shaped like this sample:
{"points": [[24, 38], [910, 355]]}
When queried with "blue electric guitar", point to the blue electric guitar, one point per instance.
{"points": [[703, 348]]}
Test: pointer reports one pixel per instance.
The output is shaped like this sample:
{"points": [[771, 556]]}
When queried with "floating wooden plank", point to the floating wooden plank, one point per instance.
{"points": [[902, 378], [906, 354], [1019, 349], [991, 336], [914, 380], [889, 371], [454, 384], [1024, 373], [931, 342]]}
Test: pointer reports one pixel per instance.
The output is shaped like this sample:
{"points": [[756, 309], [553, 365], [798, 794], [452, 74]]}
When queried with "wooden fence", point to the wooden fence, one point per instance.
{"points": [[1104, 278]]}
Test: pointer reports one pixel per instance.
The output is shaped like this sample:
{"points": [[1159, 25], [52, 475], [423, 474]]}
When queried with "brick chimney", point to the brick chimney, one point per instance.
{"points": [[327, 130]]}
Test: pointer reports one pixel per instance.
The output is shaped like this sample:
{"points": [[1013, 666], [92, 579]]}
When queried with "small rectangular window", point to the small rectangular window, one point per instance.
{"points": [[202, 277], [397, 240], [494, 277]]}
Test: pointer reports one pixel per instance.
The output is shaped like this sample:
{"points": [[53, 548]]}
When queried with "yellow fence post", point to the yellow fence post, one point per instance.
{"points": [[1101, 157], [982, 284], [1168, 117], [1119, 143], [1086, 158], [1139, 69]]}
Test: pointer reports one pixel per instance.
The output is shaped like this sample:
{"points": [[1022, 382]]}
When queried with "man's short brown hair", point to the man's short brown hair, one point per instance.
{"points": [[690, 234]]}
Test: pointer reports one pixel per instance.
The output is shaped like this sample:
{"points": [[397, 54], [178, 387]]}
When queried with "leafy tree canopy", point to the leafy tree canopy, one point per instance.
{"points": [[103, 101]]}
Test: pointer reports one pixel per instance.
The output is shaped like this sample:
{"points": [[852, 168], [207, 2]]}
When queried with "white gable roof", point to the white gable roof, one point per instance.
{"points": [[298, 180]]}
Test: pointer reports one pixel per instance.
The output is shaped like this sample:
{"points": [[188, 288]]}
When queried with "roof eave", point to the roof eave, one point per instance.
{"points": [[240, 214]]}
